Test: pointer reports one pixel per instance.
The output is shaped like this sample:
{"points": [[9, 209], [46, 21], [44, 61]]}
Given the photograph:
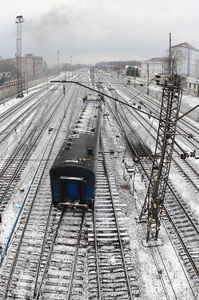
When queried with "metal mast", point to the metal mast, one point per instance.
{"points": [[154, 200], [58, 62], [19, 20]]}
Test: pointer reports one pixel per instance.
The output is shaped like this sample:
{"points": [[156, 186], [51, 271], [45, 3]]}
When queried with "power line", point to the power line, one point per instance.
{"points": [[103, 94]]}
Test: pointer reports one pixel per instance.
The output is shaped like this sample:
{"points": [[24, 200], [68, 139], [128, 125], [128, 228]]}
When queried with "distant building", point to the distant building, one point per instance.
{"points": [[186, 60], [192, 84], [131, 71], [31, 65], [154, 66]]}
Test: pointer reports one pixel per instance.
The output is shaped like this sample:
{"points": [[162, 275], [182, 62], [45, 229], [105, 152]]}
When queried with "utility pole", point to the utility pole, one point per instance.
{"points": [[189, 60], [147, 79], [154, 200], [170, 55], [58, 62], [19, 21], [71, 65], [0, 233], [92, 75]]}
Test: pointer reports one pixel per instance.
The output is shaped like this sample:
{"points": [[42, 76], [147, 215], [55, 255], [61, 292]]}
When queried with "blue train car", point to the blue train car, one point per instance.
{"points": [[73, 173]]}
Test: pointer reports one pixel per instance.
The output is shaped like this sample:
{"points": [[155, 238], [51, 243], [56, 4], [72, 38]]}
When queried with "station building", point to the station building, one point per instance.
{"points": [[154, 66]]}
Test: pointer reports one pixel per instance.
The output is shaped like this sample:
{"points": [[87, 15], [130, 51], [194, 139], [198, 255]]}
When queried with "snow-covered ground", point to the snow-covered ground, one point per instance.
{"points": [[151, 263], [132, 190], [188, 102]]}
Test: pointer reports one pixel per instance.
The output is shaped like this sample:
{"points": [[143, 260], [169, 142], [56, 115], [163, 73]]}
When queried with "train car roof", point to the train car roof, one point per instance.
{"points": [[78, 152], [80, 147]]}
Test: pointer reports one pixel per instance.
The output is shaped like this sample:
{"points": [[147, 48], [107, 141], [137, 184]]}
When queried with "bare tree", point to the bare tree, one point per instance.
{"points": [[177, 57], [7, 69]]}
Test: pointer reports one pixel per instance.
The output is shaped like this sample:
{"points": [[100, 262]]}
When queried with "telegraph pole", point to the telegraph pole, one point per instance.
{"points": [[170, 55], [154, 200], [58, 62], [71, 65], [19, 21], [147, 79]]}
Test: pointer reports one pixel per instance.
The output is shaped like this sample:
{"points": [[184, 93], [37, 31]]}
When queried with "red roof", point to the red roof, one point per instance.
{"points": [[186, 45], [157, 59]]}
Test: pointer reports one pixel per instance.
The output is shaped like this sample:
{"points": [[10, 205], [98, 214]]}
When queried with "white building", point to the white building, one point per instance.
{"points": [[187, 60], [192, 85], [154, 66], [184, 62]]}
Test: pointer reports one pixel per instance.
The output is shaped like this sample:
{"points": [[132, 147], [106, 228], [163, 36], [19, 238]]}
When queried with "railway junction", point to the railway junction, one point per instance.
{"points": [[50, 253]]}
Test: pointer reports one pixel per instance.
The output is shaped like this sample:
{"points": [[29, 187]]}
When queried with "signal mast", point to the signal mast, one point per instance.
{"points": [[19, 21], [154, 200]]}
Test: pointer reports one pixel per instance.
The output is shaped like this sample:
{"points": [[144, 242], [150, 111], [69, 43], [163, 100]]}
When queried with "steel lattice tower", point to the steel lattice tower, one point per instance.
{"points": [[19, 21], [154, 200]]}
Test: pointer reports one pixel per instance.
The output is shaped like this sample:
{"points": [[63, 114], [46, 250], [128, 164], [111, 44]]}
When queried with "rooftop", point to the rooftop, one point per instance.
{"points": [[157, 59], [185, 44]]}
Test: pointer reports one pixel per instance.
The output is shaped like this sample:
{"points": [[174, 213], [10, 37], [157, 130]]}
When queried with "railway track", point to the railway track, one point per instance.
{"points": [[12, 168], [35, 270], [136, 98], [15, 109], [62, 272], [70, 255], [22, 259], [27, 244], [182, 222], [176, 215], [111, 272], [183, 225], [187, 168]]}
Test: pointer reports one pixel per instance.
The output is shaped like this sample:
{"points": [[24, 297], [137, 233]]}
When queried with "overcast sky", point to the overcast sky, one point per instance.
{"points": [[98, 30]]}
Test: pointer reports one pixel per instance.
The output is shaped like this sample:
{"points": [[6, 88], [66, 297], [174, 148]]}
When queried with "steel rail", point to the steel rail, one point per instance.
{"points": [[118, 230], [25, 154], [103, 94], [32, 203], [190, 220], [96, 257]]}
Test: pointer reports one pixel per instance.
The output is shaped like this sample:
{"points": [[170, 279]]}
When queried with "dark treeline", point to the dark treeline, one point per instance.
{"points": [[118, 64]]}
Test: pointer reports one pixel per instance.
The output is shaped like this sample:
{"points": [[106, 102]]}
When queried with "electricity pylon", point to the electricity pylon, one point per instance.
{"points": [[154, 200]]}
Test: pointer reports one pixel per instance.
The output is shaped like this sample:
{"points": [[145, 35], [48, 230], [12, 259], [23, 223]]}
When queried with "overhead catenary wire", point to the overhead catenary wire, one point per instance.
{"points": [[117, 100], [103, 94]]}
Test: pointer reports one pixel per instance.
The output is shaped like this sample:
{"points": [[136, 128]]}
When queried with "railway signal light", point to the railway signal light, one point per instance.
{"points": [[136, 159], [158, 82], [192, 154], [183, 155]]}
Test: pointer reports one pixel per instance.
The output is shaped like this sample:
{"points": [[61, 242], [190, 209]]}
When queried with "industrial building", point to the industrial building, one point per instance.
{"points": [[31, 66]]}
